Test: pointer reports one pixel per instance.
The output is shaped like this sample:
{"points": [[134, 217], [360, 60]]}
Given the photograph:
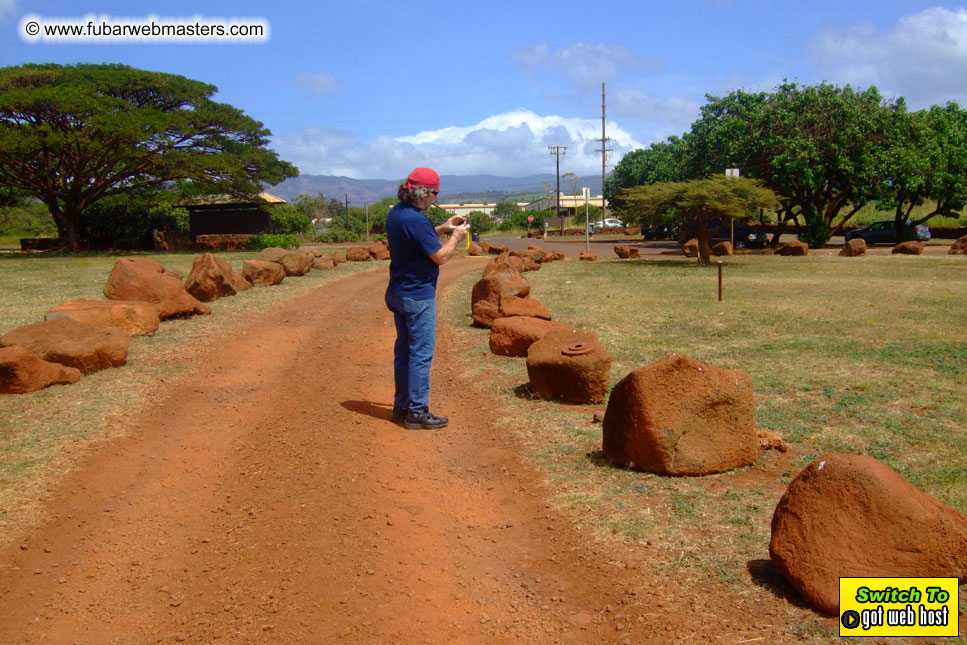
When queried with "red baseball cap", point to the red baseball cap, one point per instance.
{"points": [[423, 177]]}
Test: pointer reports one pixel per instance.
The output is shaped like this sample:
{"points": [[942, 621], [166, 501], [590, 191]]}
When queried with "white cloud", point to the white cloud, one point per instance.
{"points": [[318, 83], [923, 57], [512, 144], [585, 66]]}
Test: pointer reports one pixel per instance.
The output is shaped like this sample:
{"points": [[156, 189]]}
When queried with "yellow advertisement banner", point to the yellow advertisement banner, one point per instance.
{"points": [[912, 607]]}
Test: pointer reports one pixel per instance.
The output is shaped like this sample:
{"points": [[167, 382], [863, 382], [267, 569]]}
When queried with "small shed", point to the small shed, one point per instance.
{"points": [[230, 214]]}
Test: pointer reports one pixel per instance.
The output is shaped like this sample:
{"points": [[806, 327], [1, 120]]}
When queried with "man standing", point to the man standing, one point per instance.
{"points": [[416, 255]]}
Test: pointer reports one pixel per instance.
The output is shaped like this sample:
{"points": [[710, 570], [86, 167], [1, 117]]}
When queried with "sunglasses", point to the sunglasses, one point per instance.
{"points": [[435, 192]]}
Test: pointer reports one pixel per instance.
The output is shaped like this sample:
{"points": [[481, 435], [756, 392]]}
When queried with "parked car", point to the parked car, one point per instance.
{"points": [[741, 235], [609, 222], [884, 232]]}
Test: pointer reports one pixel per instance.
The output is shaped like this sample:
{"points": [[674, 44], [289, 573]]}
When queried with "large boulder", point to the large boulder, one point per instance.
{"points": [[529, 306], [852, 516], [722, 249], [913, 247], [143, 280], [570, 365], [490, 290], [323, 263], [502, 263], [358, 254], [379, 252], [626, 251], [211, 278], [587, 256], [793, 248], [690, 248], [475, 250], [294, 262], [959, 247], [262, 273], [86, 347], [133, 318], [513, 335], [853, 248], [679, 416], [497, 249], [22, 372]]}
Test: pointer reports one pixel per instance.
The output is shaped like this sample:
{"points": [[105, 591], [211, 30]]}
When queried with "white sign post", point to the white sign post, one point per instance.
{"points": [[587, 220]]}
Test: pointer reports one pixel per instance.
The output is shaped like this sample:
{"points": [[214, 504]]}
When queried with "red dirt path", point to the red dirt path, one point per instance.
{"points": [[265, 497]]}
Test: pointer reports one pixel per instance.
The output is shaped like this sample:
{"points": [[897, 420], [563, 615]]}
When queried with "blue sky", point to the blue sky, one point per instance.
{"points": [[370, 89]]}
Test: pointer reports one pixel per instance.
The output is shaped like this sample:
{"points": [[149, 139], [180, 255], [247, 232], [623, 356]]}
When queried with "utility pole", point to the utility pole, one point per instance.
{"points": [[604, 153], [347, 211], [557, 151]]}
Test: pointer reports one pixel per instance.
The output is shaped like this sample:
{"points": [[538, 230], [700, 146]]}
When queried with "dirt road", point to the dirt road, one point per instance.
{"points": [[265, 497]]}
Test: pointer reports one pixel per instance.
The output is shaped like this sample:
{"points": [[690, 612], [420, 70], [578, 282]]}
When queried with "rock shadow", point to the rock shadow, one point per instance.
{"points": [[765, 574]]}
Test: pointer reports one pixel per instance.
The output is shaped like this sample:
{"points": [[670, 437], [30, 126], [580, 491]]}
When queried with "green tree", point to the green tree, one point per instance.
{"points": [[821, 148], [503, 210], [73, 135], [693, 205], [662, 161], [926, 160]]}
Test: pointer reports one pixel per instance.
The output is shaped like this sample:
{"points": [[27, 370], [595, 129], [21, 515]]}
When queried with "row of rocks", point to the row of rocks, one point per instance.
{"points": [[681, 417], [83, 336]]}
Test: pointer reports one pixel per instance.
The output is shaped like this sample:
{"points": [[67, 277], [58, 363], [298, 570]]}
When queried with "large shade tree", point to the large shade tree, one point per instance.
{"points": [[72, 135], [694, 205]]}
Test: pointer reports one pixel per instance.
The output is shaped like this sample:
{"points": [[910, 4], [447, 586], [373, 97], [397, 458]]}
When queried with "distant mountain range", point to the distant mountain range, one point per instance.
{"points": [[453, 188]]}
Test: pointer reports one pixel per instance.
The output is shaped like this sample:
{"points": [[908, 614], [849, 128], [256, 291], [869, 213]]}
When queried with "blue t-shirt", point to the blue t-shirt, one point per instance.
{"points": [[412, 240]]}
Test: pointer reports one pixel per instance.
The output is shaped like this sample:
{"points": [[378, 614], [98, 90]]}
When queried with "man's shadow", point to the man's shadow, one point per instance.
{"points": [[376, 410]]}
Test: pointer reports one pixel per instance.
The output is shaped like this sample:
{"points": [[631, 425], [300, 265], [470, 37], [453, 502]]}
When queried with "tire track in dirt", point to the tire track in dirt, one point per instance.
{"points": [[264, 496]]}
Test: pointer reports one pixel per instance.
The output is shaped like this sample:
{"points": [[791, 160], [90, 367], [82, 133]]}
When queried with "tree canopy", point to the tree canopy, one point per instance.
{"points": [[826, 151], [72, 135], [694, 205]]}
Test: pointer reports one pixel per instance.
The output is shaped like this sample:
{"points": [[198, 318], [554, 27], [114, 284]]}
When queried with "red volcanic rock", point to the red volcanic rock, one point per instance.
{"points": [[497, 249], [142, 280], [86, 347], [487, 293], [263, 273], [379, 252], [324, 262], [853, 248], [512, 336], [528, 306], [912, 247], [475, 250], [211, 278], [690, 248], [852, 516], [22, 372], [588, 256], [570, 365], [358, 254], [679, 416], [794, 248], [625, 251], [959, 247], [294, 262], [722, 248], [133, 318]]}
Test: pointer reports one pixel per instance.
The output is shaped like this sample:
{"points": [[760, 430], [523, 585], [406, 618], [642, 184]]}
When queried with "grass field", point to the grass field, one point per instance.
{"points": [[40, 432], [861, 355], [856, 355]]}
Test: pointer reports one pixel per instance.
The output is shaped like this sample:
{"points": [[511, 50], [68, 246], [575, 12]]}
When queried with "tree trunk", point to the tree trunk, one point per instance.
{"points": [[704, 248], [67, 226]]}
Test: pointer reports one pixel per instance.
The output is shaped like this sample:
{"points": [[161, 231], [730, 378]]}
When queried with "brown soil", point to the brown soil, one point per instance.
{"points": [[265, 497]]}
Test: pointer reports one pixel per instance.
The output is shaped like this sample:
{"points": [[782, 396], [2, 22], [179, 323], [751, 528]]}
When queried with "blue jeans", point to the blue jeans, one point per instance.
{"points": [[413, 351]]}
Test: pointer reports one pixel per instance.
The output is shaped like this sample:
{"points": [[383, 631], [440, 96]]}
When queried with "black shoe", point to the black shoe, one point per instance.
{"points": [[399, 414], [426, 420]]}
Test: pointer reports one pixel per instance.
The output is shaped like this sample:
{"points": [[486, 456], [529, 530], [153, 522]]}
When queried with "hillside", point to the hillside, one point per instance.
{"points": [[471, 188]]}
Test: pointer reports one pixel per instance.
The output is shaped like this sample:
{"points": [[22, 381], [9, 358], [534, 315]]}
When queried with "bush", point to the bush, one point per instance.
{"points": [[815, 233], [265, 240], [336, 236], [286, 218]]}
